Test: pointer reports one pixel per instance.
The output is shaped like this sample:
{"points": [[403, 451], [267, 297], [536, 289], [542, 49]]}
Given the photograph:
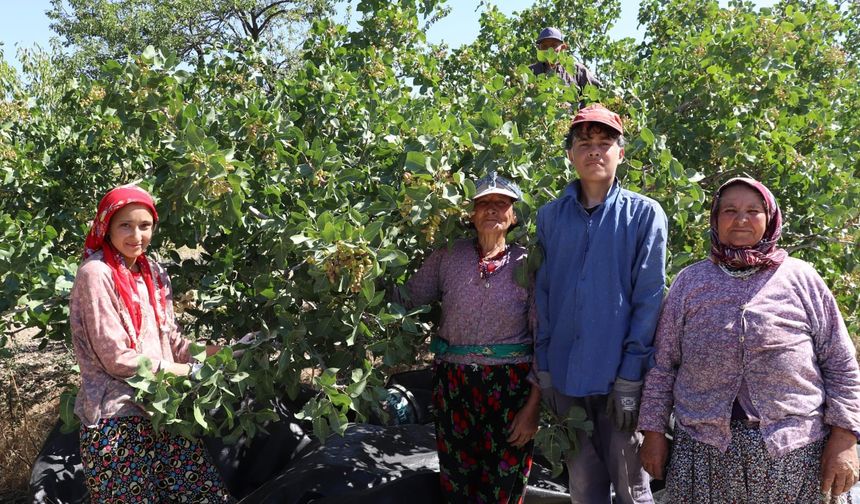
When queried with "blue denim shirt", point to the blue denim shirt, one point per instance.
{"points": [[599, 289]]}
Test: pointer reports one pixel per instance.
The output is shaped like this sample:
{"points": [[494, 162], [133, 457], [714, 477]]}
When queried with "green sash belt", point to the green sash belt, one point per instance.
{"points": [[501, 351]]}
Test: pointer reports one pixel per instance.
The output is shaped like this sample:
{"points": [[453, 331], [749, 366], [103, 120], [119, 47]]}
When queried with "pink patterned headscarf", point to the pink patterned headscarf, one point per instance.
{"points": [[765, 253]]}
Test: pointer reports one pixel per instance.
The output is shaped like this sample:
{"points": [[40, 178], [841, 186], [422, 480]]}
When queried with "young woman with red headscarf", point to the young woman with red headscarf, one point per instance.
{"points": [[121, 310], [754, 357]]}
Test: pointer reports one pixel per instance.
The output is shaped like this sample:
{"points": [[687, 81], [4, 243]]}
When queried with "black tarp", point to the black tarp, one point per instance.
{"points": [[57, 474], [378, 464]]}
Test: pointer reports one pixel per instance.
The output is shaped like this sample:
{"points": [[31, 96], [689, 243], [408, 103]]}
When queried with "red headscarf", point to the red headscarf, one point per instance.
{"points": [[765, 252], [126, 286]]}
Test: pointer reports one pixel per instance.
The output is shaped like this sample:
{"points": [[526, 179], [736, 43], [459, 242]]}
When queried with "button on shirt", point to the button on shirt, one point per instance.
{"points": [[779, 332], [599, 289]]}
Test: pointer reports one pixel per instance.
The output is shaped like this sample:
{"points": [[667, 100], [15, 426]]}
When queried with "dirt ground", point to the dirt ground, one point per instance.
{"points": [[30, 386]]}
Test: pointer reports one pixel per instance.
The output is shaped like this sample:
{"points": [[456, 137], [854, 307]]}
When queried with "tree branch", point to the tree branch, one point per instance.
{"points": [[816, 240], [240, 15], [268, 19], [272, 5]]}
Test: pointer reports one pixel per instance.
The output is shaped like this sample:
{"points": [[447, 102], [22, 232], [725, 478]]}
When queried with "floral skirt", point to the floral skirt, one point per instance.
{"points": [[126, 460], [475, 405], [701, 474]]}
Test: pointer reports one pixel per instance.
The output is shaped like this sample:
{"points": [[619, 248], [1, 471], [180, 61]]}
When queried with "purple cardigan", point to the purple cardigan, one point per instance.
{"points": [[475, 311], [779, 332]]}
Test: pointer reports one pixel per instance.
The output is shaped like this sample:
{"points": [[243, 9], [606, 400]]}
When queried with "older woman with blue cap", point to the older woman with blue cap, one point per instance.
{"points": [[486, 399]]}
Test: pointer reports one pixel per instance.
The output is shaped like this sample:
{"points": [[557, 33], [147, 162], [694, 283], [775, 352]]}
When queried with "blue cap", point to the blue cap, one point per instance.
{"points": [[494, 183], [550, 33]]}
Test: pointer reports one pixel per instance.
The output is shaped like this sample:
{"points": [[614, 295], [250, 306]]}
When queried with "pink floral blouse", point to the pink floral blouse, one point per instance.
{"points": [[102, 345]]}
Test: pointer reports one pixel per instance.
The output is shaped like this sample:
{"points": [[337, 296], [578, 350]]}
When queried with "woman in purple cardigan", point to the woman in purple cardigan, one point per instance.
{"points": [[486, 399], [754, 357]]}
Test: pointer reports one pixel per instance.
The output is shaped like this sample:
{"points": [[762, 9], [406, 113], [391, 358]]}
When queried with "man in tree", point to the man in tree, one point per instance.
{"points": [[551, 38], [598, 295]]}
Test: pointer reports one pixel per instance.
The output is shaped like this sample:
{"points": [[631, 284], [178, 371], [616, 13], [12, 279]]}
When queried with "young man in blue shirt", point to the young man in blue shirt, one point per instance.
{"points": [[598, 295]]}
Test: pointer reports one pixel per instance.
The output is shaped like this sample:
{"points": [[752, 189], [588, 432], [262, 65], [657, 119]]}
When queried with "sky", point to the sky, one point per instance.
{"points": [[462, 24], [24, 23]]}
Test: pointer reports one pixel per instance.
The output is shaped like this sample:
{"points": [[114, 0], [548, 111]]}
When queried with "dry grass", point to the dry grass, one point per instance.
{"points": [[30, 386]]}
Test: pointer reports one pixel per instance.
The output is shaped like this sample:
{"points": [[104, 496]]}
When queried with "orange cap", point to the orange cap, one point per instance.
{"points": [[599, 114]]}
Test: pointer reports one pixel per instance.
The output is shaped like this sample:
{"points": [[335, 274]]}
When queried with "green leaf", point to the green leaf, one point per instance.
{"points": [[372, 230], [675, 168], [799, 18], [490, 117], [398, 257], [197, 351], [553, 444], [646, 136], [149, 53], [415, 162], [451, 194], [329, 233], [368, 290], [161, 401], [521, 274], [67, 411], [535, 258], [239, 377], [144, 368], [198, 416]]}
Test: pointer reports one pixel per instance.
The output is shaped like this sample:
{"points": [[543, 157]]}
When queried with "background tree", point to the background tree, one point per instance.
{"points": [[101, 30]]}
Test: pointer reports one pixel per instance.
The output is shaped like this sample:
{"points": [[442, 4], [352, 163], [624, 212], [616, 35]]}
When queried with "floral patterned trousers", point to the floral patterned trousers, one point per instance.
{"points": [[475, 405]]}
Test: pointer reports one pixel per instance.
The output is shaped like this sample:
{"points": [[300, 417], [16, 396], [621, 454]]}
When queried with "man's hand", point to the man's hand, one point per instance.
{"points": [[839, 463], [654, 453], [622, 406], [547, 394]]}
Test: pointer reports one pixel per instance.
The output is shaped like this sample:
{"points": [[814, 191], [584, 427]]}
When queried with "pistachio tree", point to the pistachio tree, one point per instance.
{"points": [[292, 205]]}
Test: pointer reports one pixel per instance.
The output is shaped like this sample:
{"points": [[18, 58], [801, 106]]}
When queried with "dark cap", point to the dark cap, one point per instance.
{"points": [[550, 33], [599, 114]]}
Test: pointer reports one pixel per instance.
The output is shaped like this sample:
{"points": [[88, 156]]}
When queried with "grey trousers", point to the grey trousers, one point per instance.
{"points": [[607, 456]]}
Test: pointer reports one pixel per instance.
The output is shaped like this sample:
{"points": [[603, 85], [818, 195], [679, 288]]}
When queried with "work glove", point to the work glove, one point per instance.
{"points": [[194, 370], [544, 380], [622, 407], [244, 342], [547, 394]]}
